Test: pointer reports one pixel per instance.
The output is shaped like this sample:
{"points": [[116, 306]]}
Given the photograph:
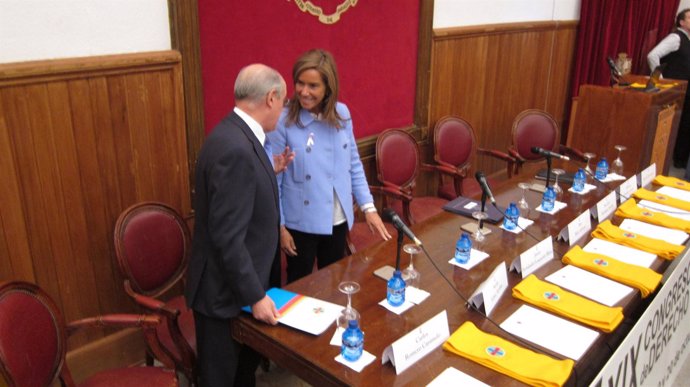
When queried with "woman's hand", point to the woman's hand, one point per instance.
{"points": [[376, 225], [282, 160], [287, 244]]}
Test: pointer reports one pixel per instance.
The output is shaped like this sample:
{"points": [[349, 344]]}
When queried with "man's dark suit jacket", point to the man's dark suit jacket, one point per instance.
{"points": [[237, 221]]}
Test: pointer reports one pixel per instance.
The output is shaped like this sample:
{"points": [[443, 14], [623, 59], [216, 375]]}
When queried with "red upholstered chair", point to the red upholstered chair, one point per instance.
{"points": [[152, 244], [455, 147], [33, 339], [534, 127], [398, 165]]}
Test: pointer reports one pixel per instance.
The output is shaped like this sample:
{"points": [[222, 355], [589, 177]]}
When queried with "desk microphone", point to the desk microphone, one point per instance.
{"points": [[389, 214], [546, 153], [481, 179]]}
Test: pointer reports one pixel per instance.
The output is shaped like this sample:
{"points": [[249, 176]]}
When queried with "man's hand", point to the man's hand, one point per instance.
{"points": [[265, 310], [281, 161]]}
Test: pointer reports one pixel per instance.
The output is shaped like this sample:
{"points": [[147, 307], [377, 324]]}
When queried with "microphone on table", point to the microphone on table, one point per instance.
{"points": [[481, 179], [390, 215], [547, 153]]}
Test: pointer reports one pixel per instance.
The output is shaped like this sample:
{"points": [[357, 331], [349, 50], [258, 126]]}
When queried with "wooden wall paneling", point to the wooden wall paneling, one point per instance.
{"points": [[82, 139], [488, 74]]}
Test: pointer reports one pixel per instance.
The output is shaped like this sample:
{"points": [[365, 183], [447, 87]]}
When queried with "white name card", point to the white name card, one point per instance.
{"points": [[534, 258], [647, 175], [577, 228], [627, 188], [417, 343], [491, 290], [605, 207]]}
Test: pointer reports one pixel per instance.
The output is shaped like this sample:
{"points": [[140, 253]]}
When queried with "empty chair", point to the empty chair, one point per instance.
{"points": [[398, 165], [536, 128], [33, 340], [152, 245]]}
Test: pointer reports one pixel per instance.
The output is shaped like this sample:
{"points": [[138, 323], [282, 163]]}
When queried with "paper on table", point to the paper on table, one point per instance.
{"points": [[415, 295], [476, 257], [557, 206], [358, 365], [585, 190], [669, 235], [622, 253], [549, 331], [311, 315], [397, 309], [612, 177], [675, 193], [454, 377], [523, 223], [668, 210], [590, 285]]}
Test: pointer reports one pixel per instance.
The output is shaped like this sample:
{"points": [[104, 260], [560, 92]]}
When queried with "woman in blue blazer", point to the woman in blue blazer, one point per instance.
{"points": [[317, 189]]}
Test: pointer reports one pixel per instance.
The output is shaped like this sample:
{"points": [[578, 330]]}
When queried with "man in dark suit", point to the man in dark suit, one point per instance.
{"points": [[236, 228]]}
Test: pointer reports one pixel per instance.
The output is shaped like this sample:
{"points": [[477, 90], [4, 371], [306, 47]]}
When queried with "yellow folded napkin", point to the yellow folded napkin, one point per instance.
{"points": [[607, 231], [645, 194], [507, 358], [629, 209], [640, 277], [672, 182], [552, 298]]}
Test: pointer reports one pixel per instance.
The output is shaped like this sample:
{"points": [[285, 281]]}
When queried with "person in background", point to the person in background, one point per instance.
{"points": [[235, 248], [674, 52], [317, 188]]}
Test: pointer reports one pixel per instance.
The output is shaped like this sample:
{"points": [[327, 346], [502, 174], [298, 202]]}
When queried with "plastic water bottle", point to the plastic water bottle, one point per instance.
{"points": [[352, 342], [548, 201], [463, 248], [396, 289], [579, 180], [602, 169], [510, 221]]}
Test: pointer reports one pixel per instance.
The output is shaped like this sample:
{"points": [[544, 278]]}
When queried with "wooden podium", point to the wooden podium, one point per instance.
{"points": [[645, 122]]}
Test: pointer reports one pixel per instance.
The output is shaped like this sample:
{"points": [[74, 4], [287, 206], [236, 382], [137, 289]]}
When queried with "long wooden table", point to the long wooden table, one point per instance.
{"points": [[312, 358]]}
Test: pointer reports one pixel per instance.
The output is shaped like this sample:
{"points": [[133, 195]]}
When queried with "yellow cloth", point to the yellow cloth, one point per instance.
{"points": [[507, 358], [645, 194], [642, 278], [630, 209], [552, 298], [607, 231], [672, 182]]}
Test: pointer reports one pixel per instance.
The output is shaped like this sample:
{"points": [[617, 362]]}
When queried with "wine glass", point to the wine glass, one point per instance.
{"points": [[557, 188], [588, 170], [617, 165], [411, 276], [522, 203], [479, 215], [349, 313]]}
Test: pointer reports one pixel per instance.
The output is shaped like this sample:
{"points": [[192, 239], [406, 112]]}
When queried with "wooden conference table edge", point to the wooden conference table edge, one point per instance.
{"points": [[311, 357]]}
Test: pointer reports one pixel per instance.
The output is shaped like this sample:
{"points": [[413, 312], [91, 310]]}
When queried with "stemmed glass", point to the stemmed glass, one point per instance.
{"points": [[479, 215], [522, 203], [588, 171], [617, 165], [557, 172], [410, 274], [349, 313]]}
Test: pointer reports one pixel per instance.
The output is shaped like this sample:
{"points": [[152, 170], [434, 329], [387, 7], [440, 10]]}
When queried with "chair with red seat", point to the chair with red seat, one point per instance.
{"points": [[397, 166], [455, 147], [33, 340], [536, 128], [152, 245]]}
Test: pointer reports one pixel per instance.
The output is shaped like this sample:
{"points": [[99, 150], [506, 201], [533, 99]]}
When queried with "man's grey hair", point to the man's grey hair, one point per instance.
{"points": [[255, 81]]}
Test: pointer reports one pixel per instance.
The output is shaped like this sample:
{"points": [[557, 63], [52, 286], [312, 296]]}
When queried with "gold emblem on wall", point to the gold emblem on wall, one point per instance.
{"points": [[308, 6]]}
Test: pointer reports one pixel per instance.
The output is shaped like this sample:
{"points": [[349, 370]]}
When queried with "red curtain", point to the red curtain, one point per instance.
{"points": [[608, 27]]}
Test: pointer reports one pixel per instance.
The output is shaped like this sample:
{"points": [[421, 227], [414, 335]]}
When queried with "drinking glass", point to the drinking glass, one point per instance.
{"points": [[588, 170], [349, 313], [479, 215], [522, 203], [411, 276], [557, 188], [617, 165]]}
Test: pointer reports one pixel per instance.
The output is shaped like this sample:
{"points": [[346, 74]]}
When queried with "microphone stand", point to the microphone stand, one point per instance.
{"points": [[397, 257], [548, 171], [481, 221]]}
